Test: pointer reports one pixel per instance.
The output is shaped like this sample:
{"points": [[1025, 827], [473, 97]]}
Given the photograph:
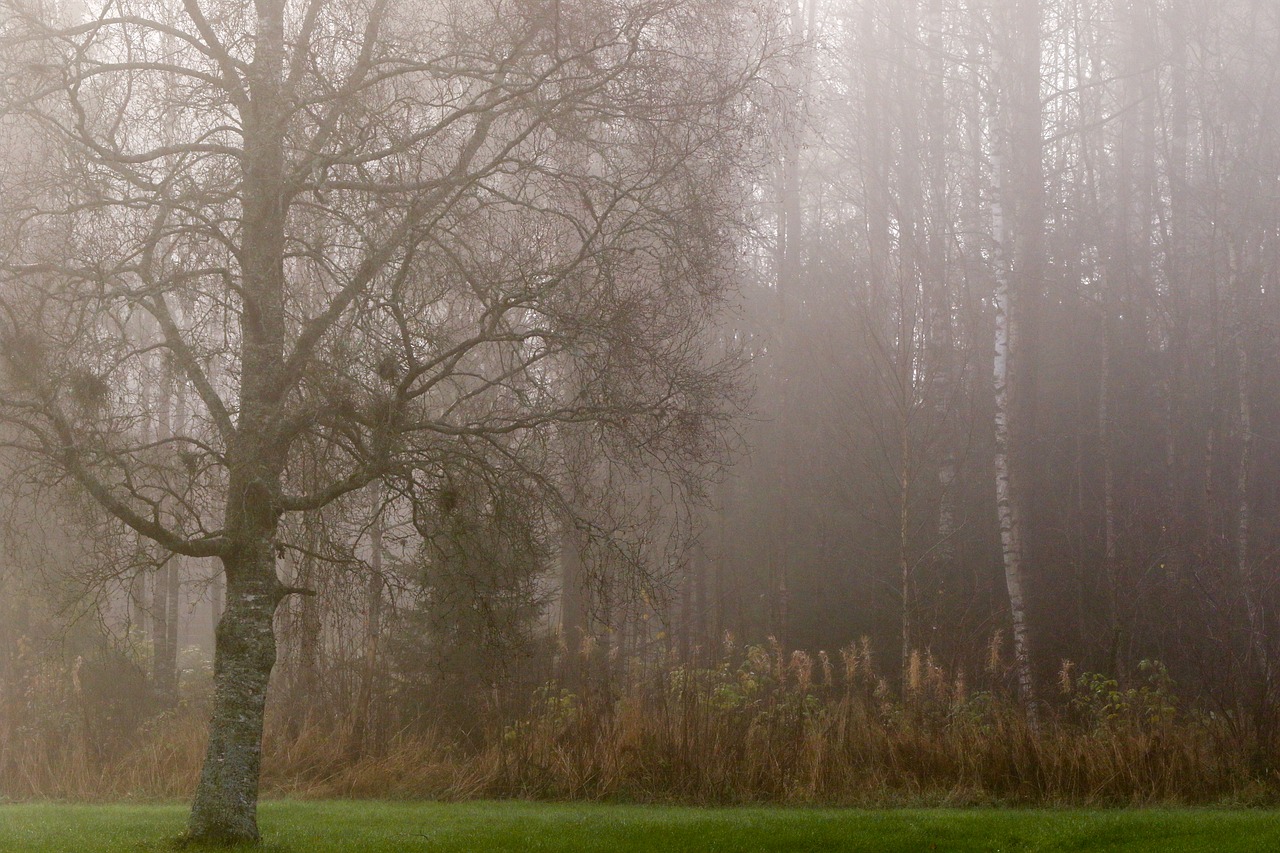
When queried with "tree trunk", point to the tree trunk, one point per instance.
{"points": [[575, 607], [1175, 540], [163, 659], [138, 603], [701, 641], [686, 616], [1007, 507], [164, 644], [173, 597], [226, 802], [305, 701], [1251, 586], [1109, 531], [1017, 216], [903, 543], [364, 731]]}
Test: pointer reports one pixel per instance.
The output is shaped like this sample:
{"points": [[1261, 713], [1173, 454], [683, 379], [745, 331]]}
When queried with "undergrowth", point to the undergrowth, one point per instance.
{"points": [[762, 725]]}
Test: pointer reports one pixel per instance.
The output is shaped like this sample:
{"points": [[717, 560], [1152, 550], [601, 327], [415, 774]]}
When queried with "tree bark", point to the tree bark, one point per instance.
{"points": [[1007, 506], [215, 601], [1017, 216], [226, 803]]}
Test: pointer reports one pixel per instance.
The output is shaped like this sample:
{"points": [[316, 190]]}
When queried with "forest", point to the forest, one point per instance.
{"points": [[705, 401]]}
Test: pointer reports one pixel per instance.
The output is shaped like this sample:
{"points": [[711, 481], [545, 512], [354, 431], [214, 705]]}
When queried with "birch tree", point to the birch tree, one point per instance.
{"points": [[1017, 220]]}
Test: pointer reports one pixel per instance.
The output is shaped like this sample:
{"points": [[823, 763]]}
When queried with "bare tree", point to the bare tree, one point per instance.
{"points": [[377, 235]]}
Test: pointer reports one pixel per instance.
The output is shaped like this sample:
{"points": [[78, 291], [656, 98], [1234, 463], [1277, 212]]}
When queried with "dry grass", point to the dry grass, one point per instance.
{"points": [[763, 726], [774, 727]]}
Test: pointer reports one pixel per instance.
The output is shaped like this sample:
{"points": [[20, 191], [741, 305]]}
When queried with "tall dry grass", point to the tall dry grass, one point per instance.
{"points": [[778, 726], [764, 724]]}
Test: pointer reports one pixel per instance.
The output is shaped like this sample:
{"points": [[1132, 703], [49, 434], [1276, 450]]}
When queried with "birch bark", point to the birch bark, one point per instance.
{"points": [[1016, 223]]}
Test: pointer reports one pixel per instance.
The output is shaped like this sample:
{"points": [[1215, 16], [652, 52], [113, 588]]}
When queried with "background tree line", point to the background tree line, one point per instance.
{"points": [[998, 277], [1124, 154]]}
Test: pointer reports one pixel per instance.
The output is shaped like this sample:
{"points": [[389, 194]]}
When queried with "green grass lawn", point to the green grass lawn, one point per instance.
{"points": [[307, 827]]}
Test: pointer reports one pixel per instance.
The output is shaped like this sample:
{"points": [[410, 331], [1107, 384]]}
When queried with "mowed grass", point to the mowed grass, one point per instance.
{"points": [[307, 827]]}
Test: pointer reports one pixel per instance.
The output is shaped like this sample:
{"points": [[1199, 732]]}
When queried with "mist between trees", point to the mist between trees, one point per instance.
{"points": [[515, 384]]}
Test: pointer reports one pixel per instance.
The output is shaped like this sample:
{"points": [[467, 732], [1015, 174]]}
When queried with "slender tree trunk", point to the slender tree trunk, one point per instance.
{"points": [[306, 635], [1109, 543], [364, 732], [875, 158], [720, 623], [176, 563], [1178, 516], [138, 603], [944, 350], [173, 620], [575, 607], [700, 609], [1250, 584], [783, 632], [903, 537], [789, 199], [1017, 216], [1007, 506], [685, 643], [164, 660]]}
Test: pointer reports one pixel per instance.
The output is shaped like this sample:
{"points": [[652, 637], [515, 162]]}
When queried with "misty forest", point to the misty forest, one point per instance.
{"points": [[707, 402]]}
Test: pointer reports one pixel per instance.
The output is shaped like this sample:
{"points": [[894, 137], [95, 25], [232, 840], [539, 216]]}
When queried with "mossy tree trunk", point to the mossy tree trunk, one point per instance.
{"points": [[226, 802]]}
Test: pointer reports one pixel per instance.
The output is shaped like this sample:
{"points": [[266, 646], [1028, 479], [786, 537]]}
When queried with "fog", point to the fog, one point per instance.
{"points": [[467, 363]]}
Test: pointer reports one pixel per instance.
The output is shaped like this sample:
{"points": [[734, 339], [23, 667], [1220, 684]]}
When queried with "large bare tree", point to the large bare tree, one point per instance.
{"points": [[376, 233]]}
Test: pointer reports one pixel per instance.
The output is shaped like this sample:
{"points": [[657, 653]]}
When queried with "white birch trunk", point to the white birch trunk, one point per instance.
{"points": [[1007, 509], [1018, 190]]}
